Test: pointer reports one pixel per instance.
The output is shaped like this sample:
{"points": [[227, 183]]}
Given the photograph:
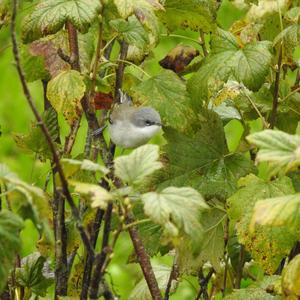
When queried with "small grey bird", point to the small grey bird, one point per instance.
{"points": [[130, 127]]}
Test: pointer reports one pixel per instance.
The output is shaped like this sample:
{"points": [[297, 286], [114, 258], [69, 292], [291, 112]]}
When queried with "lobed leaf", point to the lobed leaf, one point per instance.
{"points": [[248, 65], [166, 92], [141, 162], [131, 31], [281, 150], [98, 196], [65, 92], [194, 14], [33, 274], [268, 245], [176, 209], [50, 16], [201, 160], [291, 278], [279, 211]]}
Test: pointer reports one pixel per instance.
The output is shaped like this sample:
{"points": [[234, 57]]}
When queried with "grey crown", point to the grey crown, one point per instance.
{"points": [[146, 116]]}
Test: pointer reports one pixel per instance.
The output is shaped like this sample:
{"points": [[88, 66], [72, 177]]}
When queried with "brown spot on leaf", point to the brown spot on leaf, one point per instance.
{"points": [[178, 58]]}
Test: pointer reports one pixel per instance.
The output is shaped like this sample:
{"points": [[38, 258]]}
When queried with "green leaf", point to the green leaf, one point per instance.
{"points": [[251, 294], [268, 245], [141, 162], [50, 16], [278, 212], [131, 31], [128, 7], [141, 290], [290, 38], [194, 14], [72, 166], [65, 92], [33, 204], [201, 160], [227, 60], [144, 10], [35, 140], [10, 243], [33, 274], [176, 209], [166, 93], [280, 149], [291, 278], [95, 193], [209, 248]]}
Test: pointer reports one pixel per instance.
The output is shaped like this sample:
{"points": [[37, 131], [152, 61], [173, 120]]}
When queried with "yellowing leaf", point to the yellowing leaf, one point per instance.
{"points": [[65, 92], [291, 278], [50, 16], [141, 162], [177, 209], [97, 194], [194, 14], [277, 211], [131, 31], [280, 149], [71, 166], [268, 245]]}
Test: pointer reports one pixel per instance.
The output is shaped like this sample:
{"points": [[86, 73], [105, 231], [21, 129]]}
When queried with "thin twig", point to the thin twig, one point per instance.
{"points": [[202, 43], [144, 260], [276, 90], [100, 259], [120, 70], [56, 159], [60, 233], [265, 124], [203, 282], [173, 276]]}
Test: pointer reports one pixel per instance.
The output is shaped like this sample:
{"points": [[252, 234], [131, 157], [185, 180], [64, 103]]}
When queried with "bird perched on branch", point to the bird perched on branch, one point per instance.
{"points": [[130, 126]]}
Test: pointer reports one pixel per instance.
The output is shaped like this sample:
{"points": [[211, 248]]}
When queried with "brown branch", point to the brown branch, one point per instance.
{"points": [[100, 259], [276, 90], [71, 137], [120, 70], [60, 233], [56, 159], [97, 56], [202, 43], [143, 260], [173, 276], [203, 282]]}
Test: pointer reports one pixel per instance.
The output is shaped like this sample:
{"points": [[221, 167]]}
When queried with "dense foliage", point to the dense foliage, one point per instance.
{"points": [[210, 208]]}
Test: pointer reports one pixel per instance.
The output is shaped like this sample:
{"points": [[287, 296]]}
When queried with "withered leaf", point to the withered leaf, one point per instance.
{"points": [[179, 57]]}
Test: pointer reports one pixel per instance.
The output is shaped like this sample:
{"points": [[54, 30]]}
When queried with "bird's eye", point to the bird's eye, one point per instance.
{"points": [[110, 121], [148, 123]]}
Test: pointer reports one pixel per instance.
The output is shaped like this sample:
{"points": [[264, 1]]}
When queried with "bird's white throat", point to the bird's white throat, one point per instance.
{"points": [[124, 134]]}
